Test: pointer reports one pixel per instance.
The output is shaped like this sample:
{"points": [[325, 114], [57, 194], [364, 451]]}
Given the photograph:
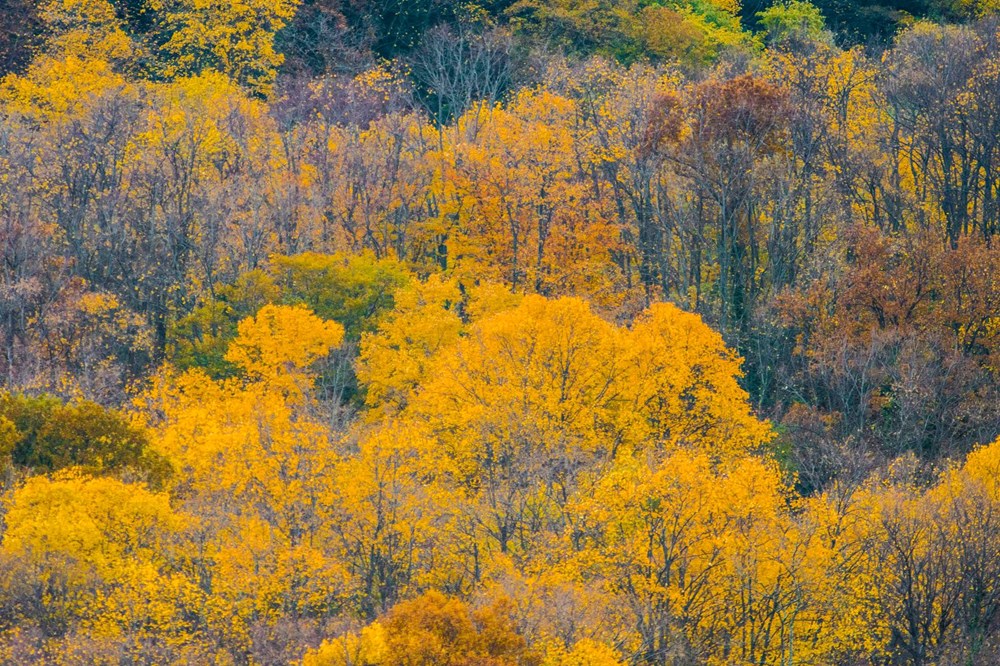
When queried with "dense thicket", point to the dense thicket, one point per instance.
{"points": [[536, 332]]}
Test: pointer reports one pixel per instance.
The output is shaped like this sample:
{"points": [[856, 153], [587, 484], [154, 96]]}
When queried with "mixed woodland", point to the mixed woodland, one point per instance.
{"points": [[500, 333]]}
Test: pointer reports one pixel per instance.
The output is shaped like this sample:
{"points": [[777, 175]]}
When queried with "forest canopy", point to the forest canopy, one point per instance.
{"points": [[503, 333]]}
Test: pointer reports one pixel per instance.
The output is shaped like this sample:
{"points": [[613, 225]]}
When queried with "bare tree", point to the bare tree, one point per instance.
{"points": [[457, 67]]}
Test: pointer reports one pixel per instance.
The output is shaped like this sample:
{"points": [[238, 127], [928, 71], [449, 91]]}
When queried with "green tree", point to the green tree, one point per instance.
{"points": [[44, 434]]}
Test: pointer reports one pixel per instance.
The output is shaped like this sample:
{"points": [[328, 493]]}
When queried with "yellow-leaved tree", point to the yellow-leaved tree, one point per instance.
{"points": [[534, 401], [85, 29], [515, 209], [233, 38], [281, 341], [250, 448], [106, 554], [393, 359]]}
